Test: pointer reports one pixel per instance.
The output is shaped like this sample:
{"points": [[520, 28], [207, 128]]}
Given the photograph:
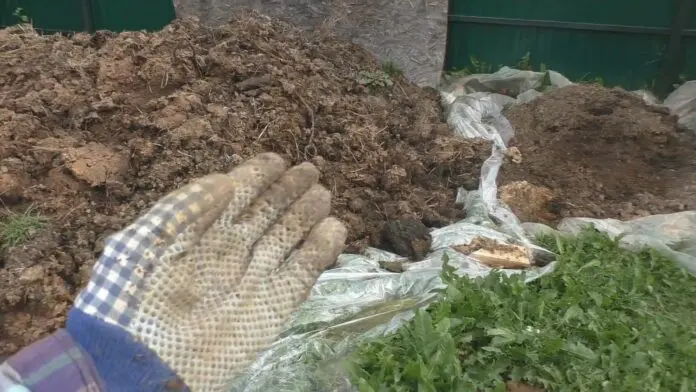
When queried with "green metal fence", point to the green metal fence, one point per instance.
{"points": [[88, 15], [632, 43]]}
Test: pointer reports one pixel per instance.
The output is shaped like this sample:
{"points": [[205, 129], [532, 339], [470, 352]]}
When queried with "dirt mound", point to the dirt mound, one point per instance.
{"points": [[95, 129], [603, 153]]}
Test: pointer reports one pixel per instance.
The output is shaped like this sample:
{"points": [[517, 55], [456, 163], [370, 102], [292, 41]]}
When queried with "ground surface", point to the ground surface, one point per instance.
{"points": [[95, 129], [601, 153]]}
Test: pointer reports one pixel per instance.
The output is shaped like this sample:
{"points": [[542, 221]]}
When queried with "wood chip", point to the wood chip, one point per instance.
{"points": [[496, 254], [512, 258]]}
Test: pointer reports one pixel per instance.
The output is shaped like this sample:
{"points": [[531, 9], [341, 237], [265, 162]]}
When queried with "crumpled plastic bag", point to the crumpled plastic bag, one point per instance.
{"points": [[682, 102], [511, 81], [473, 102]]}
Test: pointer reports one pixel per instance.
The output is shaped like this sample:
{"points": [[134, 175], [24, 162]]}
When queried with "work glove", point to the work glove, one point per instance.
{"points": [[192, 292]]}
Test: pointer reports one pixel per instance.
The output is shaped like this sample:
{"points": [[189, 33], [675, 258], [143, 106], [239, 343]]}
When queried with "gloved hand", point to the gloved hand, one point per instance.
{"points": [[206, 280]]}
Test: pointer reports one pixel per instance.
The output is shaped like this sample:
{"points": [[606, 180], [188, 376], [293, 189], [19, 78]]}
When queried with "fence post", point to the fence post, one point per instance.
{"points": [[88, 16], [674, 58]]}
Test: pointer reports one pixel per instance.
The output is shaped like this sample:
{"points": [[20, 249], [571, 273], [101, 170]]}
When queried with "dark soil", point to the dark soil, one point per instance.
{"points": [[603, 153], [95, 129], [407, 238]]}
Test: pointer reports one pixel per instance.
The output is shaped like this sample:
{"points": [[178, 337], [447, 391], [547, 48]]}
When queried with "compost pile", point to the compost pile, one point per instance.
{"points": [[95, 129], [591, 151]]}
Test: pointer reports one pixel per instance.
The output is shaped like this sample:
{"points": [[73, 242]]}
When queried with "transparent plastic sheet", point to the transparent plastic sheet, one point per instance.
{"points": [[473, 103], [682, 102], [674, 235], [512, 82]]}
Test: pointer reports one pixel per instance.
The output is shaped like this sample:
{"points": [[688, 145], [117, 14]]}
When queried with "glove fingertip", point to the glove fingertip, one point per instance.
{"points": [[264, 161], [320, 250], [330, 237]]}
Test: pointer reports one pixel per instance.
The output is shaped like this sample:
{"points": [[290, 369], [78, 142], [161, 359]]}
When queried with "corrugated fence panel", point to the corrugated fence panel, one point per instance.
{"points": [[126, 15], [50, 16], [566, 36], [90, 15]]}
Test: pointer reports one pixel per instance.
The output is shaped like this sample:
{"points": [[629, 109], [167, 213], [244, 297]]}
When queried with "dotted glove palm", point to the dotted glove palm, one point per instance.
{"points": [[206, 280]]}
